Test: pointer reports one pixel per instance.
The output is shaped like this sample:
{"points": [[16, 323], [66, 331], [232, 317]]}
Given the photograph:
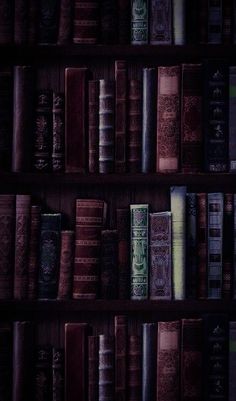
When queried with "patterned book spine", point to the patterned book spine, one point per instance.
{"points": [[22, 234], [66, 265], [21, 22], [33, 260], [49, 255], [90, 220], [232, 119], [214, 21], [202, 244], [120, 357], [93, 125], [191, 359], [6, 21], [191, 118], [124, 14], [109, 262], [228, 246], [179, 33], [149, 362], [43, 374], [160, 256], [232, 360], [134, 368], [161, 22], [65, 22], [120, 115], [234, 256], [168, 360], [33, 21], [58, 134], [168, 120], [48, 21], [6, 362], [106, 126], [58, 384], [139, 251], [139, 22], [106, 368], [93, 368], [85, 21], [191, 245], [149, 120], [123, 228], [6, 112], [178, 207], [134, 140], [43, 131], [7, 232], [227, 21], [108, 21]]}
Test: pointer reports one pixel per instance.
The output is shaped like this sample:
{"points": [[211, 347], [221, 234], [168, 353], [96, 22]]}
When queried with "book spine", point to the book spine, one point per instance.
{"points": [[6, 112], [120, 115], [43, 374], [134, 368], [21, 22], [160, 256], [234, 255], [232, 119], [58, 381], [179, 33], [134, 126], [203, 21], [168, 119], [65, 22], [66, 265], [109, 261], [124, 15], [6, 21], [33, 260], [149, 362], [123, 229], [227, 21], [228, 246], [160, 22], [234, 20], [232, 360], [202, 244], [178, 207], [120, 357], [58, 134], [85, 21], [106, 368], [6, 362], [215, 21], [93, 125], [93, 368], [191, 245], [139, 22], [48, 21], [33, 21], [139, 251], [108, 21]]}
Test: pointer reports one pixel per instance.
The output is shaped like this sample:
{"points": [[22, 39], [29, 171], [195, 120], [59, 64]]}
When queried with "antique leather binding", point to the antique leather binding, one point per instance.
{"points": [[123, 229], [106, 368], [58, 381], [109, 261], [65, 22], [58, 138], [6, 21], [160, 22], [191, 245], [93, 125], [228, 246], [6, 111], [120, 115], [139, 22], [108, 21], [33, 260], [134, 126], [66, 264], [48, 21], [149, 120], [134, 368], [149, 362], [43, 373], [202, 244], [124, 14], [85, 21], [121, 337], [6, 361], [93, 368], [21, 21]]}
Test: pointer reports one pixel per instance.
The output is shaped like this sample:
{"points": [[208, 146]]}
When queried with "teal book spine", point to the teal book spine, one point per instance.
{"points": [[139, 22]]}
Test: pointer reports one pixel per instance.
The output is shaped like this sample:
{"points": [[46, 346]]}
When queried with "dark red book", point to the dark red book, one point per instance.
{"points": [[93, 125], [124, 15], [121, 343], [58, 374], [6, 21], [134, 127], [65, 22], [106, 390], [109, 261], [66, 264], [86, 13], [123, 223], [43, 373], [93, 368], [228, 246], [21, 22], [6, 113], [58, 132], [6, 361], [202, 244], [33, 261], [134, 368], [120, 115]]}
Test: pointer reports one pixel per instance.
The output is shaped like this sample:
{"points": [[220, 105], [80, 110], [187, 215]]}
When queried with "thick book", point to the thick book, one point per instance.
{"points": [[139, 251], [85, 21], [120, 115], [93, 346], [179, 26], [66, 264], [108, 21], [149, 361], [90, 220], [6, 22], [6, 361], [58, 374], [228, 246], [232, 119], [191, 245], [124, 15], [49, 255], [43, 373], [160, 22], [93, 126], [202, 245], [65, 22], [215, 20], [109, 264], [168, 119], [123, 229], [48, 21], [232, 360], [121, 343], [21, 21], [6, 113], [160, 256], [134, 368], [33, 259], [58, 132], [106, 379], [139, 22], [134, 126]]}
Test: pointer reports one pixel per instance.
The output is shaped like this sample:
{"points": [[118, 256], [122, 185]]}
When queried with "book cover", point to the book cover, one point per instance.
{"points": [[124, 15], [191, 245], [215, 21], [149, 361], [109, 21], [58, 374], [202, 241], [109, 264], [58, 132], [66, 264], [6, 361], [134, 126], [48, 21], [139, 22], [121, 343], [43, 373], [21, 21], [228, 246], [106, 390], [65, 22], [160, 22], [120, 115], [134, 368], [93, 357], [85, 21], [33, 15], [232, 360], [227, 21], [123, 229], [6, 21], [93, 125], [33, 259], [232, 119]]}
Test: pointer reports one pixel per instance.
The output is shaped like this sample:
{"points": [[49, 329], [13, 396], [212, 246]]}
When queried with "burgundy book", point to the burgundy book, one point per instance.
{"points": [[6, 361], [22, 235], [75, 119], [86, 13], [121, 343], [109, 262], [21, 21], [93, 368], [58, 132], [90, 220], [227, 21], [76, 337], [108, 21], [120, 115], [93, 125], [58, 376], [66, 264], [123, 224], [33, 21], [134, 368], [106, 368], [43, 373], [6, 113], [124, 15], [134, 127], [65, 22], [228, 246], [7, 235], [202, 244], [33, 261], [6, 21]]}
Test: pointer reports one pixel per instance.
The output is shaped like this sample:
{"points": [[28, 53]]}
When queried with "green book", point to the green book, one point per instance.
{"points": [[139, 22]]}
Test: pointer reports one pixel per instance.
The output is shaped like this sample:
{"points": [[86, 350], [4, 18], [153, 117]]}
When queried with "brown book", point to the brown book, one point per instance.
{"points": [[6, 113], [7, 235], [58, 382], [33, 261], [90, 220], [202, 244], [93, 368], [93, 125], [75, 119], [6, 21], [124, 15], [120, 357], [66, 264], [86, 14], [108, 269], [22, 235], [106, 368], [134, 139], [33, 21], [123, 224], [21, 21], [58, 134], [228, 246], [65, 22], [120, 115], [134, 368], [43, 373]]}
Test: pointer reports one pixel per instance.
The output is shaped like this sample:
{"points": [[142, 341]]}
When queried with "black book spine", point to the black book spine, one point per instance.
{"points": [[58, 374], [43, 374], [48, 21], [149, 358]]}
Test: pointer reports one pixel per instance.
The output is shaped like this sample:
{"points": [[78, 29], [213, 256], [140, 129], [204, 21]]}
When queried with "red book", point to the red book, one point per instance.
{"points": [[120, 357], [134, 368], [86, 14], [66, 264], [202, 244], [93, 125], [120, 113], [33, 261], [134, 137]]}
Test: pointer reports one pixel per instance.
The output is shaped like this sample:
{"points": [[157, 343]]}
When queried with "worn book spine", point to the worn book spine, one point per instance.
{"points": [[232, 360], [139, 251], [168, 119], [123, 229], [120, 115], [202, 21], [6, 361], [227, 21], [134, 368], [215, 239], [160, 22], [43, 373], [65, 22], [191, 245], [7, 235], [139, 22], [160, 255], [66, 265], [178, 207], [106, 126], [75, 120], [134, 126], [93, 345], [58, 132], [109, 264], [108, 22], [22, 233], [149, 361], [121, 333], [49, 255], [179, 29], [21, 21], [58, 375], [232, 119], [124, 15], [228, 246], [106, 388], [6, 22], [6, 112], [93, 125], [33, 21], [234, 256], [85, 21], [33, 260], [215, 21], [202, 244], [48, 21]]}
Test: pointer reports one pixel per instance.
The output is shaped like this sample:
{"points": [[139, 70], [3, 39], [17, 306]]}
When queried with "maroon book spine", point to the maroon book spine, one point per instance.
{"points": [[123, 224], [93, 368], [202, 244], [66, 264], [86, 14], [120, 115], [58, 134], [33, 261], [93, 125], [75, 119], [134, 368], [228, 246], [21, 21], [106, 368], [109, 268], [6, 21], [65, 22], [58, 376], [120, 357], [124, 15], [33, 21], [227, 21], [134, 140]]}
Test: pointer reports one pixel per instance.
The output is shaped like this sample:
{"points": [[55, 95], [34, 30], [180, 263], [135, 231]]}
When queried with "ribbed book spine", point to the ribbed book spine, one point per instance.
{"points": [[228, 246], [65, 22], [139, 251], [93, 125], [160, 256], [21, 22], [232, 360], [120, 115], [179, 32], [43, 373], [124, 14], [123, 229], [66, 264], [93, 368], [149, 361], [160, 22], [191, 245], [232, 119], [58, 132], [58, 375], [106, 368], [139, 22], [109, 264], [134, 126], [215, 21], [134, 368], [6, 111], [48, 21], [85, 23], [202, 244], [6, 21], [6, 361], [121, 343], [33, 261]]}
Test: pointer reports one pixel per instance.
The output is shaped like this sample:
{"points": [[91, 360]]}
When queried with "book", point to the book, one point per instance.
{"points": [[43, 373], [108, 21], [123, 230], [106, 368], [6, 361], [232, 359], [21, 21], [109, 262], [58, 133], [134, 126], [202, 21], [85, 21], [192, 10], [228, 246], [202, 241], [6, 21], [124, 15], [33, 259], [179, 28], [191, 245], [232, 111], [139, 22], [215, 21], [66, 264], [58, 375], [120, 115], [65, 22], [149, 361], [234, 255], [6, 112], [121, 337], [33, 15], [48, 21], [160, 22], [93, 357], [134, 368], [227, 21], [93, 125]]}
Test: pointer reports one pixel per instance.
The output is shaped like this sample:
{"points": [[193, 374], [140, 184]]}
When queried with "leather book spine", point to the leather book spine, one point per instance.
{"points": [[160, 22], [134, 368], [168, 119], [6, 22], [149, 120], [215, 21], [179, 29], [48, 21], [232, 360], [6, 361], [191, 360], [21, 21], [58, 134], [178, 207], [149, 361], [139, 251], [49, 255], [168, 361], [33, 260], [106, 390], [109, 262], [22, 235], [43, 373], [191, 119], [124, 14], [66, 264], [232, 119], [202, 244], [191, 245], [228, 246], [108, 21], [33, 22], [93, 346], [134, 126], [65, 22], [106, 126], [123, 229], [7, 235], [160, 255], [90, 220], [58, 376], [6, 113], [93, 125], [139, 22], [120, 323], [215, 239], [85, 22], [22, 118], [43, 131], [227, 21], [120, 115], [234, 256], [75, 119]]}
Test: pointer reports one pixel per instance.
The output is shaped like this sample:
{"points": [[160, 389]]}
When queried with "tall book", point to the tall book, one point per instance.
{"points": [[139, 251], [108, 21], [168, 119], [85, 21], [109, 264], [124, 14], [134, 368], [6, 112], [139, 22], [232, 360], [65, 22], [120, 115], [134, 126], [215, 21], [58, 132], [6, 361], [106, 368], [191, 245], [93, 126], [33, 260], [58, 375], [66, 264], [232, 119], [178, 207], [179, 29], [123, 229], [93, 368], [202, 241], [48, 21], [21, 21], [160, 256], [228, 246], [43, 373], [121, 344], [160, 22], [149, 361], [6, 21]]}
